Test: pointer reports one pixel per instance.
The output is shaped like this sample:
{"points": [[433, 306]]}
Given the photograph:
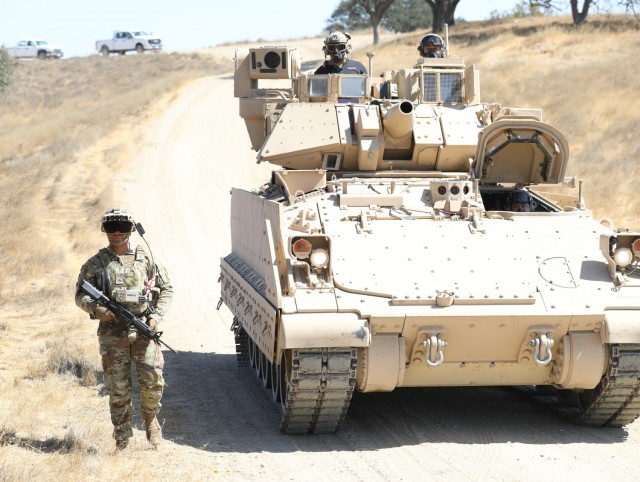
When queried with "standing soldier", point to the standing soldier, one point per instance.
{"points": [[133, 279]]}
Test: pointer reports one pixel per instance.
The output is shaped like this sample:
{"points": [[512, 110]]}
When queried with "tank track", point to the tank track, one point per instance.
{"points": [[615, 402], [319, 385], [319, 390], [242, 346]]}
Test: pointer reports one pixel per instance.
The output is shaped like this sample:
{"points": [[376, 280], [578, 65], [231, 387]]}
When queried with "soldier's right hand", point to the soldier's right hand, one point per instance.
{"points": [[103, 313]]}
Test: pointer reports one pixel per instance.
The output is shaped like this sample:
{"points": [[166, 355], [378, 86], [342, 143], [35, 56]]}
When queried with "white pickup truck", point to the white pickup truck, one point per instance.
{"points": [[129, 40], [35, 48]]}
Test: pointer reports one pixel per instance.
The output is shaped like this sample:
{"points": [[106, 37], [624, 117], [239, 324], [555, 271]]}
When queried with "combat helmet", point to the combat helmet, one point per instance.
{"points": [[432, 46], [337, 46], [522, 197], [120, 217]]}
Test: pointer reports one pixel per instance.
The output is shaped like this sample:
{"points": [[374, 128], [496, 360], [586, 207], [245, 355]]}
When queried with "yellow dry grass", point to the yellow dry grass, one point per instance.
{"points": [[61, 117], [67, 129]]}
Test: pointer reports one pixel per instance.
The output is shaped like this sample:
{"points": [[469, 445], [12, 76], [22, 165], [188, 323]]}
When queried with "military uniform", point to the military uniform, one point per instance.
{"points": [[349, 67], [337, 47], [144, 288]]}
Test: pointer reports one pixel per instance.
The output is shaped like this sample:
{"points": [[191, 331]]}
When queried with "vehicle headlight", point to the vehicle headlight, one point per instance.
{"points": [[319, 258], [623, 257]]}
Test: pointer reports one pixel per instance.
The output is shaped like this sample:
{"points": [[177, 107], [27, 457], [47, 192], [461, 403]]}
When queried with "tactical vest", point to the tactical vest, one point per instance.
{"points": [[128, 282]]}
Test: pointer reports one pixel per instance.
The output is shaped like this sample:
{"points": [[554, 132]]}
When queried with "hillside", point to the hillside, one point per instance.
{"points": [[79, 135]]}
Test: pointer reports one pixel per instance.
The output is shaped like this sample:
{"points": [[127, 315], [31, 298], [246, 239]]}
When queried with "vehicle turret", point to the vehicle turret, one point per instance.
{"points": [[421, 119]]}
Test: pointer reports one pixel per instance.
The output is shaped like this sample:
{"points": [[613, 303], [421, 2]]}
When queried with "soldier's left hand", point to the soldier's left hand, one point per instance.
{"points": [[153, 324], [103, 313]]}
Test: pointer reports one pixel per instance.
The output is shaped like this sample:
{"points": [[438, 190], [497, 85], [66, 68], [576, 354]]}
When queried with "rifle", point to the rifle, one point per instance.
{"points": [[122, 313]]}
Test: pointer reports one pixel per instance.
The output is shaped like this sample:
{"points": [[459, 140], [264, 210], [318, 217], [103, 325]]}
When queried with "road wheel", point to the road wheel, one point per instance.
{"points": [[140, 49], [42, 55], [258, 366], [283, 378], [104, 50], [275, 382], [252, 353], [265, 372]]}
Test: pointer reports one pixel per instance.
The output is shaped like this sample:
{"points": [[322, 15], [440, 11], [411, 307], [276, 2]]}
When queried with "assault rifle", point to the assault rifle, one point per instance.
{"points": [[122, 313]]}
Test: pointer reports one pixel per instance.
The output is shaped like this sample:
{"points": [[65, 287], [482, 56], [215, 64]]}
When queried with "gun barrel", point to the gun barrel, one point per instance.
{"points": [[398, 119]]}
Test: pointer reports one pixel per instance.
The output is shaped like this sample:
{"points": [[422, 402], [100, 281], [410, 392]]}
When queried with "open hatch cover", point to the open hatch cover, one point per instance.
{"points": [[521, 151]]}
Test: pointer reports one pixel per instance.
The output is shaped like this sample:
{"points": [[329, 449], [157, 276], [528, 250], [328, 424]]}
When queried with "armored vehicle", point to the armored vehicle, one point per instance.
{"points": [[384, 252]]}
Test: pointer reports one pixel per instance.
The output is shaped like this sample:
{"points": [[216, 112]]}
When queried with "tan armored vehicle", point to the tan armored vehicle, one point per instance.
{"points": [[385, 254]]}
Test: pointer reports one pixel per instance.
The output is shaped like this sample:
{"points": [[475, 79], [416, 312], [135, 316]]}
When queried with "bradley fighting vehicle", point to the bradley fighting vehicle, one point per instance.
{"points": [[383, 254]]}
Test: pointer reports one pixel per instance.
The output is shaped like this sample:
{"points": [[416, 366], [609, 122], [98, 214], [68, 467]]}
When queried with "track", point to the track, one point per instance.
{"points": [[614, 402], [313, 387]]}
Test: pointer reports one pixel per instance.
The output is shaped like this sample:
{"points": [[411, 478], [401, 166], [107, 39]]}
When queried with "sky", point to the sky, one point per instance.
{"points": [[183, 25]]}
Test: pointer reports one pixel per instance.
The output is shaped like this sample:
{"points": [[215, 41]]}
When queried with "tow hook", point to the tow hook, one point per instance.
{"points": [[434, 356], [542, 343]]}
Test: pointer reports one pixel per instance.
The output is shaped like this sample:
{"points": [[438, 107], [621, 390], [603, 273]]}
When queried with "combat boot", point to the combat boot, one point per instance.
{"points": [[152, 427], [122, 433]]}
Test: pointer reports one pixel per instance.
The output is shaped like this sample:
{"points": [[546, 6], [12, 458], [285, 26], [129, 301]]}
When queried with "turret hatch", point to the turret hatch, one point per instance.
{"points": [[522, 151]]}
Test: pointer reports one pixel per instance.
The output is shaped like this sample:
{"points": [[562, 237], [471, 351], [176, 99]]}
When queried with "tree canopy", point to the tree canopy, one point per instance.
{"points": [[407, 16], [351, 14], [410, 15], [443, 12]]}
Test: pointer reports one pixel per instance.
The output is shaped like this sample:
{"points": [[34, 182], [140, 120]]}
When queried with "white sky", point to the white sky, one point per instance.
{"points": [[75, 25]]}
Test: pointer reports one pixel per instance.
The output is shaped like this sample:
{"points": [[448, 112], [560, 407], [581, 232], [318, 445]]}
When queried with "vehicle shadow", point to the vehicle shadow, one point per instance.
{"points": [[211, 404]]}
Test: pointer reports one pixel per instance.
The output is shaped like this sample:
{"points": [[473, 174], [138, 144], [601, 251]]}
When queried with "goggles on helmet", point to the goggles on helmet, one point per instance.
{"points": [[336, 47], [111, 227], [428, 47]]}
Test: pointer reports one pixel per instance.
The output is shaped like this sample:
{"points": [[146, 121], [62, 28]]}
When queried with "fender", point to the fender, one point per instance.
{"points": [[622, 326], [309, 330]]}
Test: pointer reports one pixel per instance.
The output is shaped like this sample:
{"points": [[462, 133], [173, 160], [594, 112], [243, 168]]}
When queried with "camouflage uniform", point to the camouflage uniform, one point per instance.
{"points": [[144, 288]]}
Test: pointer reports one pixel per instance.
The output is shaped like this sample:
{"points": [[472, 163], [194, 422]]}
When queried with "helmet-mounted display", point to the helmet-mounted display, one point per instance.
{"points": [[117, 220], [337, 46]]}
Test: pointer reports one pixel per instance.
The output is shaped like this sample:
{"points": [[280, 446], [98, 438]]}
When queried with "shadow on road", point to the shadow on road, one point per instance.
{"points": [[212, 405]]}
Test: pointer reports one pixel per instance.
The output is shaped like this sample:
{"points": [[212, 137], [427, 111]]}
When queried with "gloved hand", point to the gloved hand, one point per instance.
{"points": [[103, 314], [153, 324]]}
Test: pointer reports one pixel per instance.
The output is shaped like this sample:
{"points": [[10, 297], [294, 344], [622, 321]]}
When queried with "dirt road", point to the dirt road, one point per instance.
{"points": [[218, 421]]}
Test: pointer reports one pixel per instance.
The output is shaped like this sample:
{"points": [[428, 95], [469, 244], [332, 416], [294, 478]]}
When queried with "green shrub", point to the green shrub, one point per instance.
{"points": [[7, 65]]}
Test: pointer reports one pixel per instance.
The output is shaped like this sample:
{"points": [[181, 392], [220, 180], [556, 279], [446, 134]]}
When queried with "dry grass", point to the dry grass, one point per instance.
{"points": [[60, 117], [54, 115], [57, 119]]}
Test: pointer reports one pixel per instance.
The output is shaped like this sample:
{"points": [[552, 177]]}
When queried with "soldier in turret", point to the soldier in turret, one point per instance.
{"points": [[432, 46], [337, 47], [133, 279]]}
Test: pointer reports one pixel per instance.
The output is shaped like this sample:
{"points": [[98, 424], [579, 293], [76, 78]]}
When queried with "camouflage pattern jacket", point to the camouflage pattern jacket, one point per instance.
{"points": [[132, 280]]}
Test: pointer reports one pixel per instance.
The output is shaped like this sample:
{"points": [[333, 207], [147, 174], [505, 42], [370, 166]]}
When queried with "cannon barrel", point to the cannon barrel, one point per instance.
{"points": [[398, 119]]}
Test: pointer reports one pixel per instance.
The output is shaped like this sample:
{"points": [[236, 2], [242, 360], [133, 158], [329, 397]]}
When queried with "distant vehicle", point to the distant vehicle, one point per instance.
{"points": [[129, 40], [35, 48]]}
